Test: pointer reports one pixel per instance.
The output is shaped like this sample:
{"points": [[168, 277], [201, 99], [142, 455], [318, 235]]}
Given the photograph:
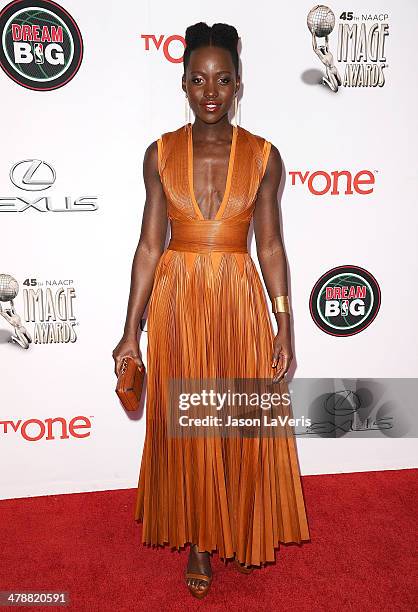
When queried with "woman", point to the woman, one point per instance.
{"points": [[208, 318]]}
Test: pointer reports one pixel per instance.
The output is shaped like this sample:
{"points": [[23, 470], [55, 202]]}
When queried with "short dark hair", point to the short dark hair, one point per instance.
{"points": [[218, 35]]}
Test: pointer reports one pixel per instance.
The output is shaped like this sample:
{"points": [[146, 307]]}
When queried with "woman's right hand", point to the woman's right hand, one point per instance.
{"points": [[127, 347]]}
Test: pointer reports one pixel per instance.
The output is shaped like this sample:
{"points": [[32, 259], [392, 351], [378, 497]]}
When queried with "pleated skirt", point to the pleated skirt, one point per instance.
{"points": [[241, 497]]}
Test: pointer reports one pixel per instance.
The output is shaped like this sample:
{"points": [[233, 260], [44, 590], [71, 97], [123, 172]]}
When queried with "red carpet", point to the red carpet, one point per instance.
{"points": [[360, 557]]}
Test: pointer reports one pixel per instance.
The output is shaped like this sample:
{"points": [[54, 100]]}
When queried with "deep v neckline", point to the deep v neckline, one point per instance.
{"points": [[190, 159]]}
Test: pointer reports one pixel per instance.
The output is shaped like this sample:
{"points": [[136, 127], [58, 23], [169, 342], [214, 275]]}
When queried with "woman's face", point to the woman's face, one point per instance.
{"points": [[210, 83]]}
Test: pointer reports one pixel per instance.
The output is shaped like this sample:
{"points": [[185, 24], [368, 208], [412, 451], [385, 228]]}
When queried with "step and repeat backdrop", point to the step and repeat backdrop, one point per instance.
{"points": [[85, 88]]}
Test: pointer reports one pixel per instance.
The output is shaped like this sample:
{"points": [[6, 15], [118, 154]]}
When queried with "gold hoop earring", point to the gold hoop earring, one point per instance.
{"points": [[187, 110], [235, 110]]}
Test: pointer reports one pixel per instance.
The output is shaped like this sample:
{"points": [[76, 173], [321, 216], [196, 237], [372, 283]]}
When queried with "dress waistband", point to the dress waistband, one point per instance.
{"points": [[209, 235]]}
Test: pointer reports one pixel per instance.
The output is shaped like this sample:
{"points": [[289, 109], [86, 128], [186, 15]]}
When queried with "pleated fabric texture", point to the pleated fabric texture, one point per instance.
{"points": [[208, 318]]}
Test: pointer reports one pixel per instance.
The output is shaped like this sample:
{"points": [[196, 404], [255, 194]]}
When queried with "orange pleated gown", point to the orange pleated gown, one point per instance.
{"points": [[208, 317]]}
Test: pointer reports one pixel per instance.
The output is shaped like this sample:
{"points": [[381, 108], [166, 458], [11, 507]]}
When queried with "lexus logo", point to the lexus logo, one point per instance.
{"points": [[32, 175], [36, 175]]}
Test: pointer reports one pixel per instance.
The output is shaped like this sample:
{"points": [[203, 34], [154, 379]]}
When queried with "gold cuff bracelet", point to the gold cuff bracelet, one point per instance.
{"points": [[281, 304]]}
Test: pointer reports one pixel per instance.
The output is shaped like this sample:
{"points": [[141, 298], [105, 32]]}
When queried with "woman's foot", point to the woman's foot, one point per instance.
{"points": [[244, 569], [199, 563]]}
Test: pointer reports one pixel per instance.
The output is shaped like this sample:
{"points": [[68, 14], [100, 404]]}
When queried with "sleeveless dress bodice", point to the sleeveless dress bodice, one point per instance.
{"points": [[227, 232]]}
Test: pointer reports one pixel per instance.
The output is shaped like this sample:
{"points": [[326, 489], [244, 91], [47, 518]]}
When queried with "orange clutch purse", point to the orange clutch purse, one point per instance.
{"points": [[130, 383]]}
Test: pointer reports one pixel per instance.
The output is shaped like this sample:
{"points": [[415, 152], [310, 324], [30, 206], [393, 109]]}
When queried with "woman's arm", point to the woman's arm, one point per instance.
{"points": [[148, 252], [272, 258]]}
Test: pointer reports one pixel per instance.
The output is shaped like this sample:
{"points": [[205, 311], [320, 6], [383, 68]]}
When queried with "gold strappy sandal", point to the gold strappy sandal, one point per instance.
{"points": [[198, 591]]}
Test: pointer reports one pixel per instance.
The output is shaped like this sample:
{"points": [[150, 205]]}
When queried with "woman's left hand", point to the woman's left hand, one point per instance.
{"points": [[282, 354]]}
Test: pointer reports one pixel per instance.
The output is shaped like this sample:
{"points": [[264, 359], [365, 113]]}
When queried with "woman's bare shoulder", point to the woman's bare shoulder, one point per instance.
{"points": [[257, 139], [259, 143], [163, 141]]}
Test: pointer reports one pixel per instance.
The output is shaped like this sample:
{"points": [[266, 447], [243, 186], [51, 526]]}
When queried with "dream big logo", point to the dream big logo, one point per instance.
{"points": [[345, 300], [41, 46]]}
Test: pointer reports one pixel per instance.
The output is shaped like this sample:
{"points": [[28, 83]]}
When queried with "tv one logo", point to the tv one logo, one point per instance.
{"points": [[57, 428], [170, 46], [338, 182]]}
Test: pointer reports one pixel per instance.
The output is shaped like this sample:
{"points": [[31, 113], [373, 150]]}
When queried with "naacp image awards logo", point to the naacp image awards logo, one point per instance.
{"points": [[48, 305], [359, 47]]}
